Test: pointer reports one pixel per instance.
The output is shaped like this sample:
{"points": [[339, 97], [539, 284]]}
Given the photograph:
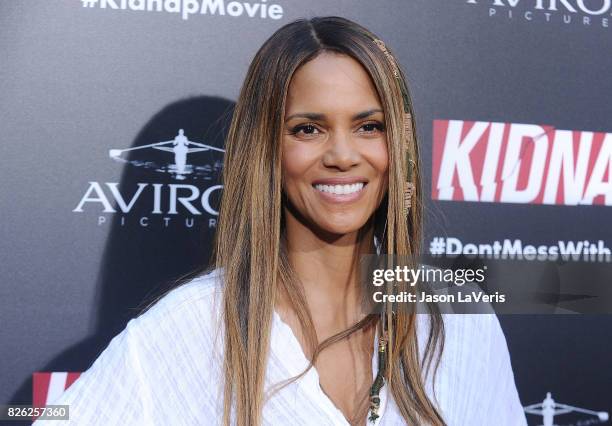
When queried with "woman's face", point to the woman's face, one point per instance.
{"points": [[334, 152]]}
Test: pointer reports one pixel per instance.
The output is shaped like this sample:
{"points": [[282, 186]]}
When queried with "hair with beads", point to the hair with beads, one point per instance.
{"points": [[249, 240]]}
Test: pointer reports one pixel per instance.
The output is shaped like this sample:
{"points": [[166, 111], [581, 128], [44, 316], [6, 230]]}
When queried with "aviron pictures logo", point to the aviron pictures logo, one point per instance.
{"points": [[584, 12], [179, 146], [159, 200], [520, 163]]}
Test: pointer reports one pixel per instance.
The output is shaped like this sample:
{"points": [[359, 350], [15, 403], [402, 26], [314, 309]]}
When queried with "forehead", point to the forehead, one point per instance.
{"points": [[331, 82]]}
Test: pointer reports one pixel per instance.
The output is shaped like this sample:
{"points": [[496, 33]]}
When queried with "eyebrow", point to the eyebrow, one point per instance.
{"points": [[317, 116]]}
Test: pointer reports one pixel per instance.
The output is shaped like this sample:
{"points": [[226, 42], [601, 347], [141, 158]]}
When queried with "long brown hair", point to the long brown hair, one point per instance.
{"points": [[249, 240]]}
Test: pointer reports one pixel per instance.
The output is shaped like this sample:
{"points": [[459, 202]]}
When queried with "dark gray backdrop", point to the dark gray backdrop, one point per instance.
{"points": [[78, 81]]}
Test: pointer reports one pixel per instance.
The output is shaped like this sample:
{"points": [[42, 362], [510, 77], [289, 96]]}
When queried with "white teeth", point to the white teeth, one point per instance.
{"points": [[340, 189]]}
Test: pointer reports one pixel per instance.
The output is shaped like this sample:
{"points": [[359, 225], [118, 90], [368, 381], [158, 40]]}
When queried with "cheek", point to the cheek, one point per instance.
{"points": [[296, 160], [378, 158]]}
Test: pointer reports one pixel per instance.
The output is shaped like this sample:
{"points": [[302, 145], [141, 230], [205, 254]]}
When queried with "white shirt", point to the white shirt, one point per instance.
{"points": [[165, 368]]}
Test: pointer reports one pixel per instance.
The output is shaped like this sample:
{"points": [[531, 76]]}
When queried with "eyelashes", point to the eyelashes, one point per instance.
{"points": [[306, 129], [374, 126], [310, 129]]}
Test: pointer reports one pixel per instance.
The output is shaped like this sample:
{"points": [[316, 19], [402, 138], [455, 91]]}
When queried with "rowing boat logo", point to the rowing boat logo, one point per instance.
{"points": [[180, 146], [548, 409]]}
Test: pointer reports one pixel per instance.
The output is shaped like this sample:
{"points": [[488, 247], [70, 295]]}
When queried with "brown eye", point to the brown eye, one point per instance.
{"points": [[372, 127], [309, 129], [305, 129]]}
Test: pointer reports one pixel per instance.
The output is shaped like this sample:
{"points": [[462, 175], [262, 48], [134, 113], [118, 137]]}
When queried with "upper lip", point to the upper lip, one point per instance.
{"points": [[348, 180]]}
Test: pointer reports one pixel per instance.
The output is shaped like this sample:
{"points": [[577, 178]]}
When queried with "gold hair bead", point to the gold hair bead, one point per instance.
{"points": [[409, 188], [389, 57]]}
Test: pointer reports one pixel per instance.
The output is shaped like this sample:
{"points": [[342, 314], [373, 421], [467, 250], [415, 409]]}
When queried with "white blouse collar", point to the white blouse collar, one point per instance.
{"points": [[283, 341]]}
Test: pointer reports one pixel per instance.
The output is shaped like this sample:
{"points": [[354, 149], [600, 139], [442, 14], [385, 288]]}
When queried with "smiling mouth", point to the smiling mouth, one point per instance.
{"points": [[347, 189]]}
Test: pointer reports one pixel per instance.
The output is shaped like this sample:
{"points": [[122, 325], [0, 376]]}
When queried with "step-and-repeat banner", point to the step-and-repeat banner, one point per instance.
{"points": [[113, 115]]}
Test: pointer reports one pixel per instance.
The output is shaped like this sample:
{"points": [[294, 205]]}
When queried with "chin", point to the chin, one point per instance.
{"points": [[341, 227]]}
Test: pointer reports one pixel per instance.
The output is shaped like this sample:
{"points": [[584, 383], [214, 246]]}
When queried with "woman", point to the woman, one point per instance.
{"points": [[273, 333]]}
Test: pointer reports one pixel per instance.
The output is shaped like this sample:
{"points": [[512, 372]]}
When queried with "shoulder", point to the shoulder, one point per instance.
{"points": [[477, 344], [194, 289], [479, 331], [188, 313], [465, 330], [477, 340], [168, 353], [475, 377], [201, 292], [180, 339]]}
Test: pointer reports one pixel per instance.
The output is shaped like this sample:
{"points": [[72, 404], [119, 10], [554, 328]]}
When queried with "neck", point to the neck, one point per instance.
{"points": [[326, 265]]}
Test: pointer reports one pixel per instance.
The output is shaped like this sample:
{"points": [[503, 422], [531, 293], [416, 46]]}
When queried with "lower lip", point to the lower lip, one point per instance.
{"points": [[341, 198]]}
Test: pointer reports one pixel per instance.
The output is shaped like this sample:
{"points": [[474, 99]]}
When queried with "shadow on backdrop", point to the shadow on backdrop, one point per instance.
{"points": [[142, 262]]}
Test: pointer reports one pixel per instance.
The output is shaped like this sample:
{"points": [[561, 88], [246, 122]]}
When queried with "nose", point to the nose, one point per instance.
{"points": [[341, 153]]}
